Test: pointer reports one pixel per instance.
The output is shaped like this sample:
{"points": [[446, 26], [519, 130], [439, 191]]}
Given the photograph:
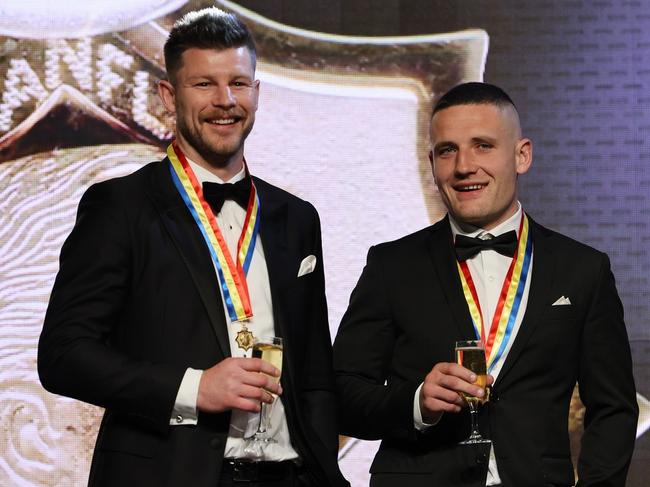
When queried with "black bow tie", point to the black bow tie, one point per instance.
{"points": [[215, 194], [468, 247]]}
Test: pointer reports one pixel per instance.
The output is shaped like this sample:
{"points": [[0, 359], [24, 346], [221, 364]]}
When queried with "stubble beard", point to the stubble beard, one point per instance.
{"points": [[217, 156]]}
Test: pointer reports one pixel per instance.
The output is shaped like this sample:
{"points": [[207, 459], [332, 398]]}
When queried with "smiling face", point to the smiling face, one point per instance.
{"points": [[477, 155], [214, 95]]}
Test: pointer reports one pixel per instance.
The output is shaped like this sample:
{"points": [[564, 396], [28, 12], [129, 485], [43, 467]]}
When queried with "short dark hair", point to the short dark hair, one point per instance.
{"points": [[473, 93], [208, 28]]}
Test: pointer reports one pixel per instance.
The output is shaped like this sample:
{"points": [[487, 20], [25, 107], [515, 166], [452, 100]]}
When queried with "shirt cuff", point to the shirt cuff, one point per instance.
{"points": [[418, 422], [184, 411]]}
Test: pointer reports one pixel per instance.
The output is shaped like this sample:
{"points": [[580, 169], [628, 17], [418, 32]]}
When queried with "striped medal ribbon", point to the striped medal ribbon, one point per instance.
{"points": [[512, 291], [231, 275]]}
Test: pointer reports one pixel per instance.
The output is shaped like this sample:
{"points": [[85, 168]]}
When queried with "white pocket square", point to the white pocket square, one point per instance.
{"points": [[562, 301], [307, 265]]}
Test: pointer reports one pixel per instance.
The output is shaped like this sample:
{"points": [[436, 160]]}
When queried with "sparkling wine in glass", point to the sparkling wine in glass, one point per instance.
{"points": [[270, 350], [471, 355]]}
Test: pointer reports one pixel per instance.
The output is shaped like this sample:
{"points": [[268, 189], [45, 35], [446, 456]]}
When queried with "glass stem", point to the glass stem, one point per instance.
{"points": [[473, 414], [262, 427]]}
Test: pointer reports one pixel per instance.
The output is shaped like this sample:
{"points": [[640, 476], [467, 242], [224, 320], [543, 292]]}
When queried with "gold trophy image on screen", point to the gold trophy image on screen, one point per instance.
{"points": [[471, 355], [268, 349]]}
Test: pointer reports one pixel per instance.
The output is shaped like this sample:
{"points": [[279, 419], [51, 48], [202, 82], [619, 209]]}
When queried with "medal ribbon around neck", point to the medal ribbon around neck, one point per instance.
{"points": [[232, 277], [510, 297]]}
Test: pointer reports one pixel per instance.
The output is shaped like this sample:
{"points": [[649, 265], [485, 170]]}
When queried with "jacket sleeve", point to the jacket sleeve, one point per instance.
{"points": [[607, 389], [373, 405], [76, 354]]}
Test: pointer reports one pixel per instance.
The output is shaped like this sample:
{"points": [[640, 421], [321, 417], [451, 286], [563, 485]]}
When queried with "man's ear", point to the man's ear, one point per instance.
{"points": [[433, 172], [167, 95], [524, 155], [256, 87]]}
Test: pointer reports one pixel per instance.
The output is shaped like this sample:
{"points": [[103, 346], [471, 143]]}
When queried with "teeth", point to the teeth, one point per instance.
{"points": [[472, 187], [223, 121]]}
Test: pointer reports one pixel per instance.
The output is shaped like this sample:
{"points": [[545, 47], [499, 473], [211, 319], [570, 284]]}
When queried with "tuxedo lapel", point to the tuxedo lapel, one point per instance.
{"points": [[273, 233], [540, 288], [187, 238], [282, 271], [442, 253]]}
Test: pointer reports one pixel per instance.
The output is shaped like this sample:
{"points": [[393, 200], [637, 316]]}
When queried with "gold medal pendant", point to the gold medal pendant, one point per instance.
{"points": [[245, 338]]}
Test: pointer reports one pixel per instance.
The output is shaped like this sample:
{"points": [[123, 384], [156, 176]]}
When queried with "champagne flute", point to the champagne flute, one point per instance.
{"points": [[471, 355], [268, 349]]}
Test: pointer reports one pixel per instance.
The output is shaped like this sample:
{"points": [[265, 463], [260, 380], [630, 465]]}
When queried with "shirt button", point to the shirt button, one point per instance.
{"points": [[179, 419], [490, 278], [215, 443]]}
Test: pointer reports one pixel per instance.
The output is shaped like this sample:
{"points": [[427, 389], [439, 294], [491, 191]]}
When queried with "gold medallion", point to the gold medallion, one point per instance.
{"points": [[245, 339]]}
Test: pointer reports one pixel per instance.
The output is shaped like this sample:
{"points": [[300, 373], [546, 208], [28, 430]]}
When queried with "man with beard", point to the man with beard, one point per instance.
{"points": [[169, 276]]}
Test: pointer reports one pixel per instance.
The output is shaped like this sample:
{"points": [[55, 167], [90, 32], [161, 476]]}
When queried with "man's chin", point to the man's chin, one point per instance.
{"points": [[215, 150], [224, 145], [219, 156], [473, 218]]}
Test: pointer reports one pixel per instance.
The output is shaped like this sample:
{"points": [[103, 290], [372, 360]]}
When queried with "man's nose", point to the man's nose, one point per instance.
{"points": [[464, 162], [223, 97]]}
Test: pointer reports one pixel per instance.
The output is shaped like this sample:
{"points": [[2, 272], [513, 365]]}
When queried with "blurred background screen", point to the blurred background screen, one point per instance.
{"points": [[346, 91]]}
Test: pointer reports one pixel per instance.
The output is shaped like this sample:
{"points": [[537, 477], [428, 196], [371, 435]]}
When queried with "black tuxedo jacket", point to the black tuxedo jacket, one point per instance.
{"points": [[136, 301], [405, 314]]}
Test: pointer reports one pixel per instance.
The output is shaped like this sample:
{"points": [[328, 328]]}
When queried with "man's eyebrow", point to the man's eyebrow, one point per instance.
{"points": [[484, 138], [444, 143]]}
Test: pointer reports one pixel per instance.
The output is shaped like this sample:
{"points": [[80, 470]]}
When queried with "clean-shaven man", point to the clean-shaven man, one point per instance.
{"points": [[544, 305]]}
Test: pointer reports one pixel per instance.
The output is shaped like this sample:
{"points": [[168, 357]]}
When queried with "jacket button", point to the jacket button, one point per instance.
{"points": [[215, 443]]}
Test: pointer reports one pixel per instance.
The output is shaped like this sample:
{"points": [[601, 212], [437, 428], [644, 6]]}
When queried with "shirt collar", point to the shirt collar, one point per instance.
{"points": [[205, 176], [468, 230]]}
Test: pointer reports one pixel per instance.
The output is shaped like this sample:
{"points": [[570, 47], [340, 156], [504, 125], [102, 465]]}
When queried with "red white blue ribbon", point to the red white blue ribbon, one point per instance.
{"points": [[512, 290], [231, 275]]}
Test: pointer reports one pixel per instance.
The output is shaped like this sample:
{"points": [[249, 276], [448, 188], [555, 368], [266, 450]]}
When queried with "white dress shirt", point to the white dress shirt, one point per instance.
{"points": [[242, 424], [488, 269]]}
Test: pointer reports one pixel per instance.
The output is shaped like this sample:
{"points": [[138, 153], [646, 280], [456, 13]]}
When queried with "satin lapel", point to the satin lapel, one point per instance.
{"points": [[543, 271], [444, 264], [282, 268], [192, 249], [273, 233]]}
